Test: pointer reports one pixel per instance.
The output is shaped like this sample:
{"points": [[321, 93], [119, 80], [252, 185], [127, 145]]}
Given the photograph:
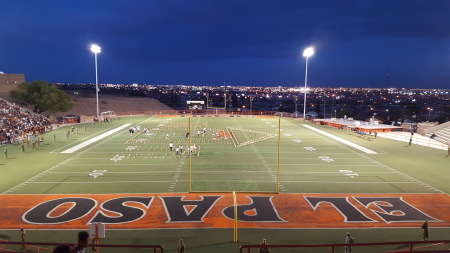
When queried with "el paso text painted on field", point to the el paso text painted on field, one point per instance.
{"points": [[125, 211]]}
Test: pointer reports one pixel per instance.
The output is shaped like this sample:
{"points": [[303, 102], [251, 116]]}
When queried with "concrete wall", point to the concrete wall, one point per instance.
{"points": [[10, 81]]}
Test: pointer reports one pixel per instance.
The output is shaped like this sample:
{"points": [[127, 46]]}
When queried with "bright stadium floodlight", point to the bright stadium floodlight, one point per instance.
{"points": [[306, 53], [96, 50]]}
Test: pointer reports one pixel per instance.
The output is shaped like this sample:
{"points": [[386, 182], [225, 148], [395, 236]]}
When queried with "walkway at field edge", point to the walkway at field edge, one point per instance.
{"points": [[351, 144]]}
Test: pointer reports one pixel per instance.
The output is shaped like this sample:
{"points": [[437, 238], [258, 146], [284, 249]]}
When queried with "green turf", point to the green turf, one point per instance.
{"points": [[147, 166]]}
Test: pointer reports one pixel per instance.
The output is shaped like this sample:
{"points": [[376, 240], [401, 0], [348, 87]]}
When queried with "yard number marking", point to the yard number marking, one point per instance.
{"points": [[117, 158], [97, 173], [349, 173], [326, 159]]}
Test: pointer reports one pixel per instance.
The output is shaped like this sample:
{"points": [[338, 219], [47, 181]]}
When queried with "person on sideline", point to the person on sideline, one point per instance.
{"points": [[181, 246], [425, 230], [23, 238], [83, 238], [264, 248], [349, 240]]}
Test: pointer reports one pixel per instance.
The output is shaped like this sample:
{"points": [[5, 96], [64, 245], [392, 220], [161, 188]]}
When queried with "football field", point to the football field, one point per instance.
{"points": [[155, 179]]}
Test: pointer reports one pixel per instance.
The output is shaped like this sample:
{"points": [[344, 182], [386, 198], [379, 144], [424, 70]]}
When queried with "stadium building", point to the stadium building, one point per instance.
{"points": [[10, 81]]}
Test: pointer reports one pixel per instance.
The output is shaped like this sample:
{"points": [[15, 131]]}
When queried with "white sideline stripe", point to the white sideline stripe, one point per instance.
{"points": [[88, 142], [351, 144]]}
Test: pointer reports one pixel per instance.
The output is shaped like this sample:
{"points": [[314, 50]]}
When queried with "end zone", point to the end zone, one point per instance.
{"points": [[184, 210]]}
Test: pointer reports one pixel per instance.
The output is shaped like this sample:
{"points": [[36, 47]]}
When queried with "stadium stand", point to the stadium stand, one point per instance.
{"points": [[16, 122], [439, 133], [120, 105], [442, 135]]}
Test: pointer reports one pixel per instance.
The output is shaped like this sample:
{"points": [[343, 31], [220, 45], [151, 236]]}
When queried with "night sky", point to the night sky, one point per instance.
{"points": [[236, 42]]}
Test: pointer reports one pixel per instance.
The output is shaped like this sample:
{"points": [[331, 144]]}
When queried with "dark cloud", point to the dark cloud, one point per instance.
{"points": [[149, 40]]}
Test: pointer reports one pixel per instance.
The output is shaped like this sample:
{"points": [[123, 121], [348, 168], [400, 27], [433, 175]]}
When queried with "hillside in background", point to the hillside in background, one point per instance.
{"points": [[87, 106]]}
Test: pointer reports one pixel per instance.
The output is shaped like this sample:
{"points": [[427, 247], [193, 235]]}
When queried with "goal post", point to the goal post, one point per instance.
{"points": [[235, 236], [108, 115], [223, 165], [224, 107]]}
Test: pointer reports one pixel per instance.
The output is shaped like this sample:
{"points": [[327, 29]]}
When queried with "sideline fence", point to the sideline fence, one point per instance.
{"points": [[195, 112], [426, 246]]}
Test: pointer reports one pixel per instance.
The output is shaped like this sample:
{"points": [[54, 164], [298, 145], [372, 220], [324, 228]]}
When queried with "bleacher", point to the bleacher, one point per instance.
{"points": [[442, 135], [16, 121]]}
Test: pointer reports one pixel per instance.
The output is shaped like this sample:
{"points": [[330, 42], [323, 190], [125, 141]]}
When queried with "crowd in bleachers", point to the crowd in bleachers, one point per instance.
{"points": [[16, 122]]}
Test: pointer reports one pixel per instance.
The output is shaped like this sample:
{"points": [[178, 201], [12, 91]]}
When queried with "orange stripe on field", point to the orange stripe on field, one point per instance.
{"points": [[293, 209]]}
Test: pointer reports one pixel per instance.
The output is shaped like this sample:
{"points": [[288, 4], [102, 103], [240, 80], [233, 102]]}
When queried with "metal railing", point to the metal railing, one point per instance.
{"points": [[36, 246], [409, 246], [415, 140]]}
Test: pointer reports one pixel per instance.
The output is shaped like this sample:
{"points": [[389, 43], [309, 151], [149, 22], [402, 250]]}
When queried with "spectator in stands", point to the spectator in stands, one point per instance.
{"points": [[15, 122], [425, 230], [433, 136], [349, 240], [181, 246], [80, 247], [62, 249], [264, 248]]}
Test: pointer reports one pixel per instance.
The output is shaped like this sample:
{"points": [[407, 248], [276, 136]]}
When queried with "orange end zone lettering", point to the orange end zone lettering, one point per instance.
{"points": [[128, 211]]}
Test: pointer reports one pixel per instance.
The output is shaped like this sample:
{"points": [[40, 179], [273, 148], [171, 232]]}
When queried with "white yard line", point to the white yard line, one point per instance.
{"points": [[31, 180], [166, 172], [108, 182], [351, 144], [97, 138], [80, 140], [170, 181], [269, 170], [412, 180]]}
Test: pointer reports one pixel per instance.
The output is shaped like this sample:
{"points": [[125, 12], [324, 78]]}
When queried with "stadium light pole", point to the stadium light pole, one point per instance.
{"points": [[296, 98], [429, 113], [96, 50], [306, 53]]}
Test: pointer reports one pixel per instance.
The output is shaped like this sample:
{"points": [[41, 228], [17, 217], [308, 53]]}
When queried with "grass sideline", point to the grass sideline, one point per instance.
{"points": [[426, 165]]}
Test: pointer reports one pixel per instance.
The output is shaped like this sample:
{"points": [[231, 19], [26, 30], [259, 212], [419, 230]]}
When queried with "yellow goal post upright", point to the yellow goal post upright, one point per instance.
{"points": [[277, 181], [235, 205]]}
